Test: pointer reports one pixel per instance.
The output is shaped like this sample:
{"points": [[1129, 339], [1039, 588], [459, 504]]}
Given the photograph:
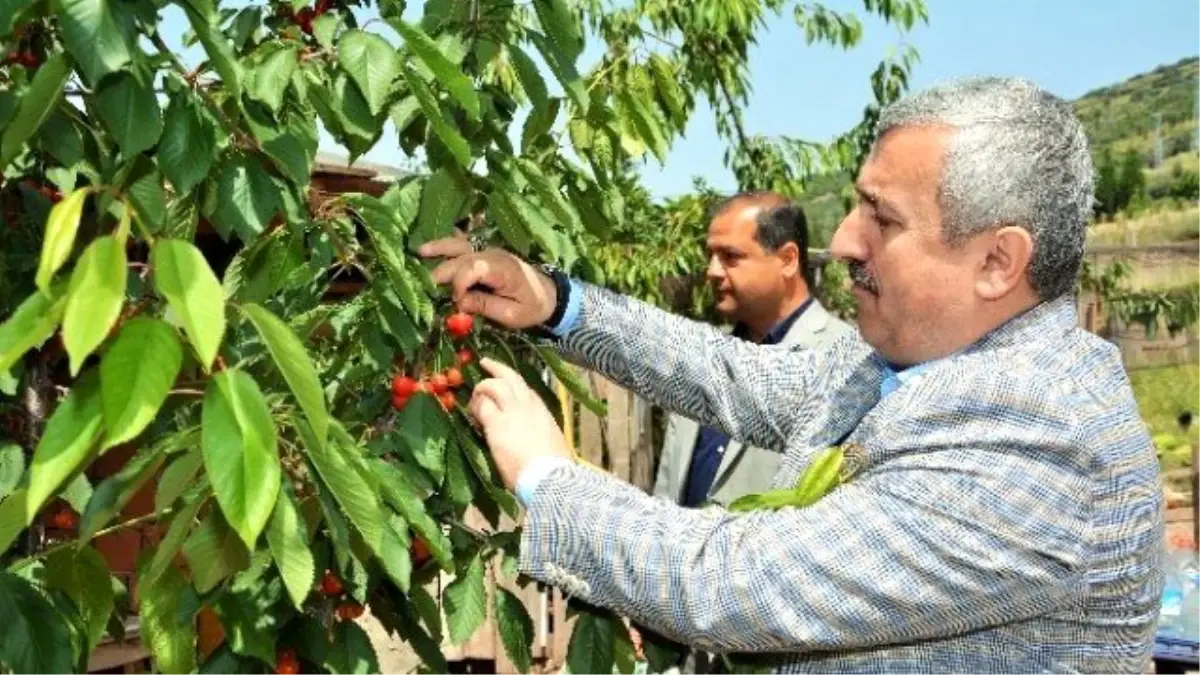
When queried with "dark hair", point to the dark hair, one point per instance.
{"points": [[781, 220]]}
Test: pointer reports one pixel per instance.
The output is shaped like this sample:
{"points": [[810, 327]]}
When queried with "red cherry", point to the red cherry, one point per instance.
{"points": [[349, 610], [418, 551], [460, 324], [447, 400], [13, 57], [29, 60], [454, 377], [287, 667], [438, 384], [465, 356], [331, 584], [398, 402], [323, 6], [64, 519], [403, 385]]}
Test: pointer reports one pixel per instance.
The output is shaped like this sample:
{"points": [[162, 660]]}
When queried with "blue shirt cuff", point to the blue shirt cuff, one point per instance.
{"points": [[571, 315], [532, 475]]}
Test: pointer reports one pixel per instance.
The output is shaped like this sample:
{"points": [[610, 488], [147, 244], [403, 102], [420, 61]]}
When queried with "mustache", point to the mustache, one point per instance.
{"points": [[860, 276]]}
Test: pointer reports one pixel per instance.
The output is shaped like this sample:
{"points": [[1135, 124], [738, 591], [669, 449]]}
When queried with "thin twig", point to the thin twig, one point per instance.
{"points": [[99, 533], [187, 392]]}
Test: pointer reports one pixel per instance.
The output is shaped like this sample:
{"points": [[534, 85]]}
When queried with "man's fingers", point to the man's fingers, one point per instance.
{"points": [[446, 247], [484, 408], [494, 307], [502, 372]]}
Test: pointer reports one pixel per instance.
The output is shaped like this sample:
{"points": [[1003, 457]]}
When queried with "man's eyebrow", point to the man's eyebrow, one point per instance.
{"points": [[873, 198]]}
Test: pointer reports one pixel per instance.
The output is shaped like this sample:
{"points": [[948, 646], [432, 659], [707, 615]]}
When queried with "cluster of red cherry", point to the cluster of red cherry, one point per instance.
{"points": [[305, 16], [440, 385]]}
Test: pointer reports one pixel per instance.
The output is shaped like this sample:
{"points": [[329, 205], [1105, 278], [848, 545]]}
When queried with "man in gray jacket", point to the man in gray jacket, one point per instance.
{"points": [[758, 265]]}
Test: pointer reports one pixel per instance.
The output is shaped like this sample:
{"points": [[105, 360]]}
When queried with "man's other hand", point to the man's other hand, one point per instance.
{"points": [[518, 426], [493, 283]]}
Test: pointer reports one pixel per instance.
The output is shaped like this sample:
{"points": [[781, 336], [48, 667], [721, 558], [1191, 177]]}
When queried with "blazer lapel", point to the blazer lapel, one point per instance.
{"points": [[684, 443], [805, 333]]}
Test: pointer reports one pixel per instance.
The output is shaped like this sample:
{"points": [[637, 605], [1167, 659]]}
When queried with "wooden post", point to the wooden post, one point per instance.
{"points": [[1196, 495]]}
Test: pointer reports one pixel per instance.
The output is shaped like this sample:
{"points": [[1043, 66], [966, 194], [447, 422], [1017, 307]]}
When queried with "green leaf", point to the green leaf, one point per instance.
{"points": [[77, 493], [504, 213], [240, 457], [450, 76], [351, 651], [30, 325], [145, 190], [247, 200], [136, 375], [251, 612], [636, 108], [270, 77], [115, 492], [83, 575], [92, 33], [666, 83], [422, 425], [14, 516], [563, 69], [294, 362], [129, 109], [515, 628], [219, 51], [166, 627], [443, 201], [287, 145], [36, 104], [193, 292], [177, 478], [189, 142], [97, 292], [571, 379], [442, 126], [59, 238], [560, 27], [10, 14], [289, 547], [349, 488], [529, 77], [538, 224], [549, 194], [36, 637], [325, 28], [371, 62], [592, 645], [12, 467], [213, 552], [395, 556], [402, 496], [66, 444], [458, 482], [168, 548], [362, 129], [465, 603]]}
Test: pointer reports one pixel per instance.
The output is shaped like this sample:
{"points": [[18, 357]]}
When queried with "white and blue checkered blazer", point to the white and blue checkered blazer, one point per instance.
{"points": [[1006, 515]]}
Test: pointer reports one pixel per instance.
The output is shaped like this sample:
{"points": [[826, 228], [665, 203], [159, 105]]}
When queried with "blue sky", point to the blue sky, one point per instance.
{"points": [[816, 92]]}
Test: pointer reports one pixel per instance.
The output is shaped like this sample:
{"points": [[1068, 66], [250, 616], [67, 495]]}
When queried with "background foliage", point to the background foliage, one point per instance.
{"points": [[169, 286]]}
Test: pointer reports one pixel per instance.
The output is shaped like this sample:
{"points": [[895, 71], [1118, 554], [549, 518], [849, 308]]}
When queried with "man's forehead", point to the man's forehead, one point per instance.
{"points": [[902, 158]]}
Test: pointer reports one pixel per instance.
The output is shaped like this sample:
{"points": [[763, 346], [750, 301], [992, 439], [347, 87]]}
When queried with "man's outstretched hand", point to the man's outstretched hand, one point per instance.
{"points": [[493, 283], [516, 423]]}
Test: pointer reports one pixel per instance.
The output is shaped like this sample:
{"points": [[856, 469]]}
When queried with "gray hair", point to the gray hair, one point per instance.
{"points": [[1019, 156]]}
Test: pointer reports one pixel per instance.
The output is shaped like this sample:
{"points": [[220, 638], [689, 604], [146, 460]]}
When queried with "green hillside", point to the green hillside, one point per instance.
{"points": [[1118, 117]]}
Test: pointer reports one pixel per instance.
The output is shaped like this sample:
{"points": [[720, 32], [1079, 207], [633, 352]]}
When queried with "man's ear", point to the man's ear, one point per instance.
{"points": [[1005, 261], [789, 253]]}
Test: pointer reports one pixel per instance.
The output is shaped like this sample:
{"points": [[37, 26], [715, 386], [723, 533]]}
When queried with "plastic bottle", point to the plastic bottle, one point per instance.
{"points": [[1188, 626], [1177, 617]]}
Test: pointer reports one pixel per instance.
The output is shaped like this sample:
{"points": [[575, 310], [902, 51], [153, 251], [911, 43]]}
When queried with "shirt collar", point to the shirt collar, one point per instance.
{"points": [[779, 330]]}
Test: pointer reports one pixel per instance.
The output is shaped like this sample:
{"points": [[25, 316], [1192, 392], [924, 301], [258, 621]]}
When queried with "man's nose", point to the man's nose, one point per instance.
{"points": [[715, 269], [847, 242]]}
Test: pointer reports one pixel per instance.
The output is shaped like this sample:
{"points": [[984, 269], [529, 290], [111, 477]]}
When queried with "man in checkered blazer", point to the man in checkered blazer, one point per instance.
{"points": [[1004, 512]]}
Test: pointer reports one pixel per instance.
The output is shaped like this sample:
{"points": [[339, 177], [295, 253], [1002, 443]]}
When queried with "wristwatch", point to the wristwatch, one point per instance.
{"points": [[562, 288]]}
